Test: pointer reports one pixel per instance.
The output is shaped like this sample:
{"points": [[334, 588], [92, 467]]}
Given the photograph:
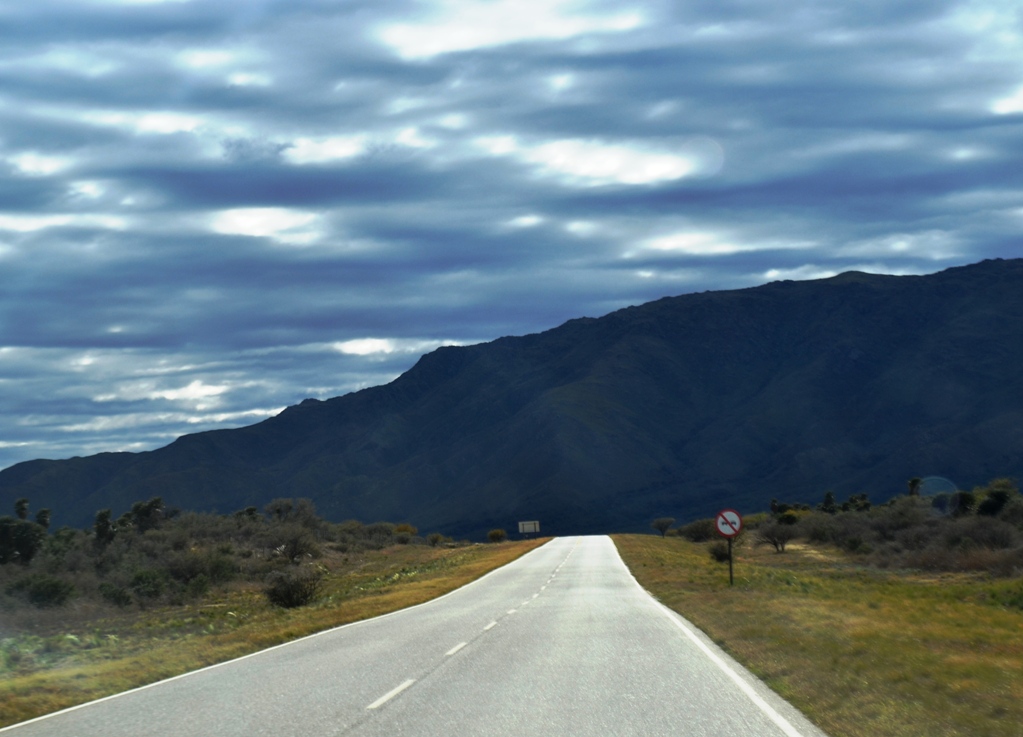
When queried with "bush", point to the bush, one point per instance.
{"points": [[777, 534], [293, 587], [43, 591], [497, 536], [719, 551], [148, 583], [434, 539], [117, 595], [197, 587], [292, 542], [663, 524], [699, 531]]}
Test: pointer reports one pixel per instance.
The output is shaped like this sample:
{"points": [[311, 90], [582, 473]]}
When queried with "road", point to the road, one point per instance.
{"points": [[561, 642]]}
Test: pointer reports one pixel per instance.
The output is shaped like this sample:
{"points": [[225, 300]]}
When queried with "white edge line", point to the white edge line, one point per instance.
{"points": [[783, 724], [391, 694], [456, 648], [274, 647], [774, 716]]}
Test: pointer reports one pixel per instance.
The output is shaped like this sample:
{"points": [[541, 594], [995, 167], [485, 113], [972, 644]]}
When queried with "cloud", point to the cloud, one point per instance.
{"points": [[212, 211], [449, 26]]}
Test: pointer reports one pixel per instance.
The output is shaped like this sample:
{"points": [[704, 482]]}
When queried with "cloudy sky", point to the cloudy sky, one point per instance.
{"points": [[210, 210]]}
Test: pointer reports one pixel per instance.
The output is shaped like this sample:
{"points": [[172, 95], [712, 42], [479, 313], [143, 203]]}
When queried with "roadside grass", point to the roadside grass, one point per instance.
{"points": [[70, 657], [862, 652]]}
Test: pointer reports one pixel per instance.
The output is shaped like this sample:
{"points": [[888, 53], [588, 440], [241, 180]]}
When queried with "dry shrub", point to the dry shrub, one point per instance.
{"points": [[293, 587]]}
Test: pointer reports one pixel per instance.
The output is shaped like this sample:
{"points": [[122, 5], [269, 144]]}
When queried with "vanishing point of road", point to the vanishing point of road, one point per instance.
{"points": [[562, 641]]}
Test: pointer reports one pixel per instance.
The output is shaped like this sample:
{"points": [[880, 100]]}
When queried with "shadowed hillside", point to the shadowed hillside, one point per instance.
{"points": [[854, 383]]}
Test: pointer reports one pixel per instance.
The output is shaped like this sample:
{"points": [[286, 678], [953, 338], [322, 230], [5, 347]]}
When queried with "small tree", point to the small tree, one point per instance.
{"points": [[104, 528], [279, 509], [404, 533], [43, 518], [497, 536], [293, 587], [663, 524], [828, 505], [20, 540], [147, 515], [21, 508], [776, 534]]}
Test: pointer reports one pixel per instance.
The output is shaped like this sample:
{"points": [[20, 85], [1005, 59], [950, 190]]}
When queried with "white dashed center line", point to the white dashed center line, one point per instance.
{"points": [[456, 648], [391, 694]]}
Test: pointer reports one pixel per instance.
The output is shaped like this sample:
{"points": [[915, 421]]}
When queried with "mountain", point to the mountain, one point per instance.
{"points": [[676, 408]]}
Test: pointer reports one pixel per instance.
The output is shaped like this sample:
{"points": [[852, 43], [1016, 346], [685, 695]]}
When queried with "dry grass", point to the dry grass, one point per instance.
{"points": [[60, 664], [862, 652]]}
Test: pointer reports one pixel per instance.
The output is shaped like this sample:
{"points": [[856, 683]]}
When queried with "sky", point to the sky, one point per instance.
{"points": [[210, 210]]}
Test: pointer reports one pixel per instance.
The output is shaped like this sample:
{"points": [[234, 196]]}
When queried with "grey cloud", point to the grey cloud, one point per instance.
{"points": [[861, 133]]}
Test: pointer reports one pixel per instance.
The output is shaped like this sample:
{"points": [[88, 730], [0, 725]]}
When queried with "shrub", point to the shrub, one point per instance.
{"points": [[148, 583], [292, 542], [776, 534], [117, 595], [197, 587], [43, 591], [699, 531], [434, 539], [497, 536], [293, 587], [663, 524], [719, 551]]}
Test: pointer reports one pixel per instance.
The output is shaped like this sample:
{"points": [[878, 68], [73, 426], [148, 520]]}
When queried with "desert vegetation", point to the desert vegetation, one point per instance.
{"points": [[979, 530], [900, 618], [152, 555], [155, 591]]}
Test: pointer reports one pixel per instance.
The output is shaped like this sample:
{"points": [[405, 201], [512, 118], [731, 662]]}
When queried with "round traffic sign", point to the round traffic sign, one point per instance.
{"points": [[728, 522]]}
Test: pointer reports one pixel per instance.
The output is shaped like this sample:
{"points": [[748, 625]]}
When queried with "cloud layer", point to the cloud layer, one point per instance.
{"points": [[209, 211]]}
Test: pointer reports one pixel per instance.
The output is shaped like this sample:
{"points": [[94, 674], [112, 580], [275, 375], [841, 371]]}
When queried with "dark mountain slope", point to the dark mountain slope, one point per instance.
{"points": [[679, 406]]}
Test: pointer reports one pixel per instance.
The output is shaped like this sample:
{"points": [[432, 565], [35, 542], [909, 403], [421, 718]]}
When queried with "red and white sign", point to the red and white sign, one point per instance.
{"points": [[729, 522]]}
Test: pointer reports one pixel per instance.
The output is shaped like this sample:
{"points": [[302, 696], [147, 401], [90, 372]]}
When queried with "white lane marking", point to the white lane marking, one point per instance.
{"points": [[524, 603], [535, 595], [489, 626], [391, 694], [543, 587], [512, 611], [321, 633], [456, 648], [774, 716]]}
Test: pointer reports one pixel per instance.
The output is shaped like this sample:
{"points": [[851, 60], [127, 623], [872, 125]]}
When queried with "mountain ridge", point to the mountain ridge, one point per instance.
{"points": [[853, 383]]}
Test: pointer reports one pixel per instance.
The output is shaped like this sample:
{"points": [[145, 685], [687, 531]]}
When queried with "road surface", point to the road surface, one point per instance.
{"points": [[561, 642]]}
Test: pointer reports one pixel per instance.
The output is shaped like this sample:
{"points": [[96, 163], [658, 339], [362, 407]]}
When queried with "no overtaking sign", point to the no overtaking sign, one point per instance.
{"points": [[729, 523]]}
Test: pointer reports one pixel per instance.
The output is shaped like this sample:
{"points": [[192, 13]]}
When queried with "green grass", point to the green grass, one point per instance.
{"points": [[69, 657], [862, 652]]}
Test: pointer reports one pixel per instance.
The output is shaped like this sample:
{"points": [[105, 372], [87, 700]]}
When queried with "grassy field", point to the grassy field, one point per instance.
{"points": [[862, 652], [68, 656]]}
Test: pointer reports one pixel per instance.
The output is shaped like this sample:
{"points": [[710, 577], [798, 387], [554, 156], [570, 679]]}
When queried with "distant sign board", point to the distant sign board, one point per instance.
{"points": [[529, 527], [729, 522]]}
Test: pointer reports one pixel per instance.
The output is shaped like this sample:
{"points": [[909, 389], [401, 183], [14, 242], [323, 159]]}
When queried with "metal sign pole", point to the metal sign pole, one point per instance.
{"points": [[731, 578]]}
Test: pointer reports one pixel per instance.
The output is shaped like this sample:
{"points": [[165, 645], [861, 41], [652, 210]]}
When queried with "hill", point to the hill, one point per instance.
{"points": [[676, 407]]}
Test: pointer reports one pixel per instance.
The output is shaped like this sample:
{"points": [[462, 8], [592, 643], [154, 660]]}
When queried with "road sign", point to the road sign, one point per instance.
{"points": [[729, 523], [532, 526]]}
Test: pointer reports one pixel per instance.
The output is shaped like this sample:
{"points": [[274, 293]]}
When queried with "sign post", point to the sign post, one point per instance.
{"points": [[729, 524]]}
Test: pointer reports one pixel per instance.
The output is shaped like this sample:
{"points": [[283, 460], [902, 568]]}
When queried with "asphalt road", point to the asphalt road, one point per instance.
{"points": [[561, 642]]}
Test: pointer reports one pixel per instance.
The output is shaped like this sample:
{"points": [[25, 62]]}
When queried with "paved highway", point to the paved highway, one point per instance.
{"points": [[561, 642]]}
